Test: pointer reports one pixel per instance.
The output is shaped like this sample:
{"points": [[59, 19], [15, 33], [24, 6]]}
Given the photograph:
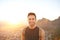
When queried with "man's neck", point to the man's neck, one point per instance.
{"points": [[32, 27]]}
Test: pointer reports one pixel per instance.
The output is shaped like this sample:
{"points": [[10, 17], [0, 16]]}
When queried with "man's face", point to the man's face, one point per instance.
{"points": [[31, 20]]}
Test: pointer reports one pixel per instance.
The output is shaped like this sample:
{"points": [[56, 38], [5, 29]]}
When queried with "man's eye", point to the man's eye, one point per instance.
{"points": [[29, 19], [32, 18]]}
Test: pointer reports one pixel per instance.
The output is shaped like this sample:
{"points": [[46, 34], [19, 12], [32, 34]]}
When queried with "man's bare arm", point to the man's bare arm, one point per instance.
{"points": [[41, 34], [23, 35]]}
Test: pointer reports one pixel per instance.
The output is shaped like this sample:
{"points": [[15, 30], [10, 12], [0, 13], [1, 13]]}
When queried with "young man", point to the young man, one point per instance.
{"points": [[32, 32]]}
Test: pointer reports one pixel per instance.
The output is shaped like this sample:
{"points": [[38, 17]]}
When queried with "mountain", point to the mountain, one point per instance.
{"points": [[52, 27], [45, 24], [56, 23]]}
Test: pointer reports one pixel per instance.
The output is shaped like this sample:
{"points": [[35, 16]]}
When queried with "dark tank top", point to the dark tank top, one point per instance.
{"points": [[32, 34]]}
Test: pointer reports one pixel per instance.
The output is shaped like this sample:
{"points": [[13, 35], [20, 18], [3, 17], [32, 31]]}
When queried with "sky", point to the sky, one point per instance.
{"points": [[15, 11]]}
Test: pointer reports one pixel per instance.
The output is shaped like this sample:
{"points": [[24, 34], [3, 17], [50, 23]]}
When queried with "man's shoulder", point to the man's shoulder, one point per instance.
{"points": [[41, 30], [24, 29], [39, 27]]}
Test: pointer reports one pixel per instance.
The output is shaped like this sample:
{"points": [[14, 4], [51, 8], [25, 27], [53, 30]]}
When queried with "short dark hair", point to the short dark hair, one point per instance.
{"points": [[31, 13]]}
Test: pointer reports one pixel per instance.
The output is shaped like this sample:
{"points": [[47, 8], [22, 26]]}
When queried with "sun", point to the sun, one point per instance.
{"points": [[13, 21]]}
